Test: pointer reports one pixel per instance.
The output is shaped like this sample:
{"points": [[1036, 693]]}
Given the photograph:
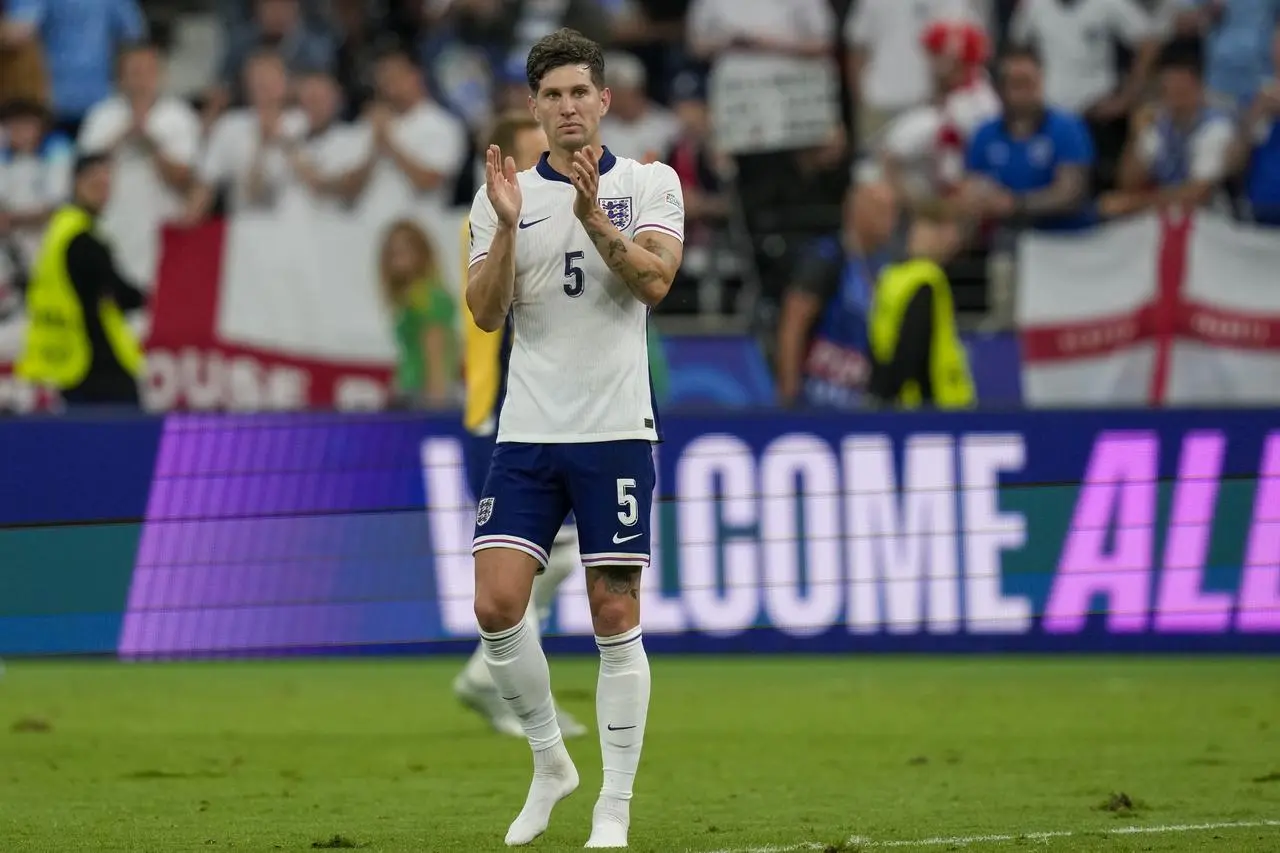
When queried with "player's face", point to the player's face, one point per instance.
{"points": [[529, 147], [569, 107]]}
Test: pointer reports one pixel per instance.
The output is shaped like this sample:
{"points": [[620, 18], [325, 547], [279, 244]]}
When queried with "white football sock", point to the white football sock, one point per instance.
{"points": [[622, 706], [519, 668]]}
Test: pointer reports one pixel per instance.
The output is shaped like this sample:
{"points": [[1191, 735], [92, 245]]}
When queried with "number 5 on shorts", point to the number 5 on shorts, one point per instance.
{"points": [[630, 512]]}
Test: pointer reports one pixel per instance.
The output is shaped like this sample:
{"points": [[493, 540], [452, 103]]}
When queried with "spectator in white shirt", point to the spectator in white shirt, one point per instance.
{"points": [[888, 69], [412, 150], [154, 140], [323, 157], [35, 175], [1076, 42], [1179, 150], [248, 149], [635, 127]]}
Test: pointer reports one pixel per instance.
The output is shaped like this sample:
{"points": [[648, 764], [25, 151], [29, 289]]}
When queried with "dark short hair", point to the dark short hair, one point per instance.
{"points": [[395, 51], [1181, 56], [23, 108], [561, 48], [1021, 52], [509, 126], [85, 162]]}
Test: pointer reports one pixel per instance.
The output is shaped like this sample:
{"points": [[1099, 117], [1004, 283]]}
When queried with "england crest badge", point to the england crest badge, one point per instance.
{"points": [[484, 511], [618, 210]]}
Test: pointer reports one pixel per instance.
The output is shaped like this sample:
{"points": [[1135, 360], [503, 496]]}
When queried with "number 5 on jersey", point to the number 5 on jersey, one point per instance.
{"points": [[574, 275]]}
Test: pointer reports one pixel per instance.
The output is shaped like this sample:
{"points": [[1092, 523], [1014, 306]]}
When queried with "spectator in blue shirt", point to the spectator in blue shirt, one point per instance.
{"points": [[1238, 36], [80, 39], [1031, 166], [1258, 152]]}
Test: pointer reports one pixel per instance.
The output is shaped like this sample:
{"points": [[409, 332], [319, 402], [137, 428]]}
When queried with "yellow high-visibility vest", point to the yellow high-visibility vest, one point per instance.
{"points": [[948, 364], [57, 351], [482, 367]]}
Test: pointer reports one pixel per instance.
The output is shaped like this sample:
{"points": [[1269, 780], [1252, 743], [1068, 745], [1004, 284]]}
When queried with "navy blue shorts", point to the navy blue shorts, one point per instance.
{"points": [[531, 488], [479, 453]]}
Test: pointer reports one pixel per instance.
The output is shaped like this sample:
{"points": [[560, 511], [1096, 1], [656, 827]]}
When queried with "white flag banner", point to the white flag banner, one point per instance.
{"points": [[773, 103], [1151, 311]]}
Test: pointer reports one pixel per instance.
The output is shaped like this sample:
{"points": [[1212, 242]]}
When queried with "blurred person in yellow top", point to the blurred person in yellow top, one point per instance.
{"points": [[917, 357], [78, 340], [484, 368]]}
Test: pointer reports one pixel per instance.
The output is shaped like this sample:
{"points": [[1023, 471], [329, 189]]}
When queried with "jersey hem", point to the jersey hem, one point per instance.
{"points": [[648, 435]]}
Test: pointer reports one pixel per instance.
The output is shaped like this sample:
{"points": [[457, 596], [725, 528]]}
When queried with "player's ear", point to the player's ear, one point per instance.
{"points": [[533, 108], [606, 98]]}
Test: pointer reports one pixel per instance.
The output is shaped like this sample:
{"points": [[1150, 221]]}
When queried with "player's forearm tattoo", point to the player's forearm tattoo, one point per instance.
{"points": [[617, 580], [615, 252]]}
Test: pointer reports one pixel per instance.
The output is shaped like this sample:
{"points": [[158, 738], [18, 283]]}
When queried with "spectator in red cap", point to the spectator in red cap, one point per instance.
{"points": [[923, 151]]}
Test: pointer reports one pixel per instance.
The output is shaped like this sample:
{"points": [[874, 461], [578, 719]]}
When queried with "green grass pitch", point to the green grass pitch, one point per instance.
{"points": [[774, 754]]}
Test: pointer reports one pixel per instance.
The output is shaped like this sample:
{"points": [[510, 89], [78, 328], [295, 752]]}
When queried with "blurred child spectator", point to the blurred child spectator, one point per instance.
{"points": [[247, 151], [1238, 36], [1031, 166], [635, 127], [80, 42], [1178, 149], [153, 140], [423, 318], [35, 175]]}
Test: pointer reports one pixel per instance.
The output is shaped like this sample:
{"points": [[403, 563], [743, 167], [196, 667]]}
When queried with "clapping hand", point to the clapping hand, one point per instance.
{"points": [[502, 186], [585, 176]]}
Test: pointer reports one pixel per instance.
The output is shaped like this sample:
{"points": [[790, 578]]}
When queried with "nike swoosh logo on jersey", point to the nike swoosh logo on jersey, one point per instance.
{"points": [[524, 225], [619, 541]]}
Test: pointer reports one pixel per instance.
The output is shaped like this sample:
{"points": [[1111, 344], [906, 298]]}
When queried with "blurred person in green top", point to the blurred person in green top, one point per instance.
{"points": [[423, 318]]}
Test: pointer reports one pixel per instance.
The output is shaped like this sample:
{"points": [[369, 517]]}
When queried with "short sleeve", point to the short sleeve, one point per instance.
{"points": [[483, 225], [661, 203], [440, 307], [1149, 146], [975, 153], [215, 164], [1073, 144], [59, 163], [817, 272], [1209, 153], [181, 140], [437, 142], [1131, 21], [97, 133]]}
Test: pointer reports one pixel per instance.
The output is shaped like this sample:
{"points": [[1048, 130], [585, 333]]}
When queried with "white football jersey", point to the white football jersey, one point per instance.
{"points": [[579, 367]]}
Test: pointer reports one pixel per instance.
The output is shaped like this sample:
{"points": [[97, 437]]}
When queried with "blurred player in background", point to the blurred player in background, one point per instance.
{"points": [[485, 372], [573, 254]]}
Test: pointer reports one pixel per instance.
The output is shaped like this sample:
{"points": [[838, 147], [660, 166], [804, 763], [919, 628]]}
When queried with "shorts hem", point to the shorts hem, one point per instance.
{"points": [[513, 543], [638, 561], [648, 435]]}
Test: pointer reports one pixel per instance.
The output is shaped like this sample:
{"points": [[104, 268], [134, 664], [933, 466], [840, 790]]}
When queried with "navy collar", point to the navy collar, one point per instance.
{"points": [[545, 169]]}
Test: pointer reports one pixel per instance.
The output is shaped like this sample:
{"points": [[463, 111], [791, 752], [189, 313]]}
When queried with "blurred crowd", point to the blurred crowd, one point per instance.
{"points": [[995, 115]]}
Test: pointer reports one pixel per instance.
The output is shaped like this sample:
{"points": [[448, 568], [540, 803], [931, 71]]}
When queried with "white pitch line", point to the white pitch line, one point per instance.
{"points": [[965, 840]]}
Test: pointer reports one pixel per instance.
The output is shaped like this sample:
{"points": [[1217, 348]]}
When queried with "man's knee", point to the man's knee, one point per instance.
{"points": [[614, 594], [504, 578]]}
